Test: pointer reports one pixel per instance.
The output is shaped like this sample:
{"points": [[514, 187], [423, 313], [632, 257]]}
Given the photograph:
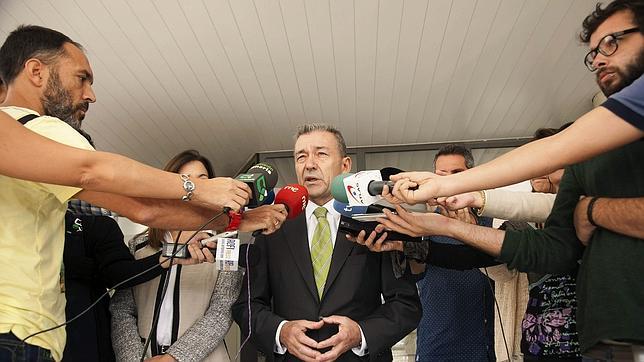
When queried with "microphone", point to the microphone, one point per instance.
{"points": [[375, 187], [337, 188], [254, 254], [260, 178], [387, 172], [350, 211], [269, 198], [362, 188], [295, 197], [356, 187]]}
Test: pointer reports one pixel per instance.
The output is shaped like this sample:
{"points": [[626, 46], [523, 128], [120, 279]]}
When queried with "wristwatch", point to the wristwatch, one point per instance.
{"points": [[188, 187]]}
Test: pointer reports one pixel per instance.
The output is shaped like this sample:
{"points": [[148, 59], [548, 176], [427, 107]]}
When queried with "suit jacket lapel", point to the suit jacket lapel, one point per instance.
{"points": [[341, 252], [297, 240]]}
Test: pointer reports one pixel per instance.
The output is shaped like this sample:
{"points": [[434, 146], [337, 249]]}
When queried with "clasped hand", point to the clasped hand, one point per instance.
{"points": [[293, 336]]}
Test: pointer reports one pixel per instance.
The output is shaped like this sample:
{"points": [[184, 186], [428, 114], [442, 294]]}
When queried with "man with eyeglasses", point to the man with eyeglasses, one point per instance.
{"points": [[609, 223], [617, 122]]}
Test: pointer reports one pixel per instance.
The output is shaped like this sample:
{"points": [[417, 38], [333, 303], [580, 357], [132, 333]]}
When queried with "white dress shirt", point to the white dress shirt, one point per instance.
{"points": [[164, 324], [333, 217]]}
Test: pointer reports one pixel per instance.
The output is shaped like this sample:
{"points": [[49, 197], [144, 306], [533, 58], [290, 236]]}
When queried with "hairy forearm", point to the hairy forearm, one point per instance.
{"points": [[27, 155], [108, 172], [595, 132], [177, 215], [158, 213], [486, 239], [623, 216]]}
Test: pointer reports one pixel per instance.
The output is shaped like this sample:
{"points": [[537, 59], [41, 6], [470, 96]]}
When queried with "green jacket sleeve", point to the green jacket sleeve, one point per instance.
{"points": [[555, 249]]}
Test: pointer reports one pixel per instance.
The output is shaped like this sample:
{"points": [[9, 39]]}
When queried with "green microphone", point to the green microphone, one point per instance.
{"points": [[338, 191]]}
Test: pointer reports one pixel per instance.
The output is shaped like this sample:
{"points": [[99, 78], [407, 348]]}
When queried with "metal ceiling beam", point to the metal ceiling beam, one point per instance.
{"points": [[359, 153]]}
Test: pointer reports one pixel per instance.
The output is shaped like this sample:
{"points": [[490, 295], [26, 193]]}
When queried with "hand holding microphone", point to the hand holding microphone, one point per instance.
{"points": [[266, 218], [416, 187], [290, 201], [366, 187], [261, 179], [221, 192], [194, 251], [203, 248]]}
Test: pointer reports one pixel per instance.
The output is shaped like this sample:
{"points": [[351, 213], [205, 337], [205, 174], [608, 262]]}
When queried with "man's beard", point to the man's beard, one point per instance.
{"points": [[626, 76], [57, 102]]}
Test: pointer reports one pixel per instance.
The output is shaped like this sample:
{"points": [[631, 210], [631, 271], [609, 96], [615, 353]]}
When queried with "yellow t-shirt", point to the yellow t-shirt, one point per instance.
{"points": [[31, 244]]}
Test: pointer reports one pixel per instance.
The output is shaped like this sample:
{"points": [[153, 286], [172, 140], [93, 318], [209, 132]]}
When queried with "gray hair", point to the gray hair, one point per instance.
{"points": [[455, 149], [319, 127]]}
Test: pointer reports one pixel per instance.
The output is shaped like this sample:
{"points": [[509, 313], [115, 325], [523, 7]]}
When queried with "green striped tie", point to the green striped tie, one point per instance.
{"points": [[321, 249]]}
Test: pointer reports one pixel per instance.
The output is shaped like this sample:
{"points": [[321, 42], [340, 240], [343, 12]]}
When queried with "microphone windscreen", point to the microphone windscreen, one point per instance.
{"points": [[337, 188], [294, 197], [387, 172], [268, 170], [254, 255]]}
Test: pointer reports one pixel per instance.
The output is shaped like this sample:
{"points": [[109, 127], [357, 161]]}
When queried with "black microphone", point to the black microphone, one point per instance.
{"points": [[261, 178], [387, 172], [375, 187]]}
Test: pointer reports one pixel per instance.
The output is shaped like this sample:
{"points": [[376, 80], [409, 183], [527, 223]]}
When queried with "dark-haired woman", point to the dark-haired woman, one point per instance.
{"points": [[194, 314]]}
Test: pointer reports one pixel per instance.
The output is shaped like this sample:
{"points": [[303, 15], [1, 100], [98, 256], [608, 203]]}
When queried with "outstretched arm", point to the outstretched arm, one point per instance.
{"points": [[596, 132], [27, 155]]}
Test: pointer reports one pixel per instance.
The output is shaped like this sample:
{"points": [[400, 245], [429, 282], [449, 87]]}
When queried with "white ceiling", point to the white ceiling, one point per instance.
{"points": [[233, 77]]}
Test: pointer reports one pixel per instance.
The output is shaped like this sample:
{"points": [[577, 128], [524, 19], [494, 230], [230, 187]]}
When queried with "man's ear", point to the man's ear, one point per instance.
{"points": [[346, 164], [36, 72]]}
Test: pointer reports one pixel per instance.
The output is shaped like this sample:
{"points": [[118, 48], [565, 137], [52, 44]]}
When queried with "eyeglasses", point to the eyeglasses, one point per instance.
{"points": [[607, 46]]}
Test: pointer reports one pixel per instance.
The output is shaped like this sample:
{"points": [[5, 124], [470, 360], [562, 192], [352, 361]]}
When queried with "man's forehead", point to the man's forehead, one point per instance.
{"points": [[619, 21], [450, 162], [316, 140], [77, 58]]}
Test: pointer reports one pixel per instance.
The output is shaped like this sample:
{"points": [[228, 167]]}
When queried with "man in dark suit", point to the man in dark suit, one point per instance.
{"points": [[316, 295]]}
